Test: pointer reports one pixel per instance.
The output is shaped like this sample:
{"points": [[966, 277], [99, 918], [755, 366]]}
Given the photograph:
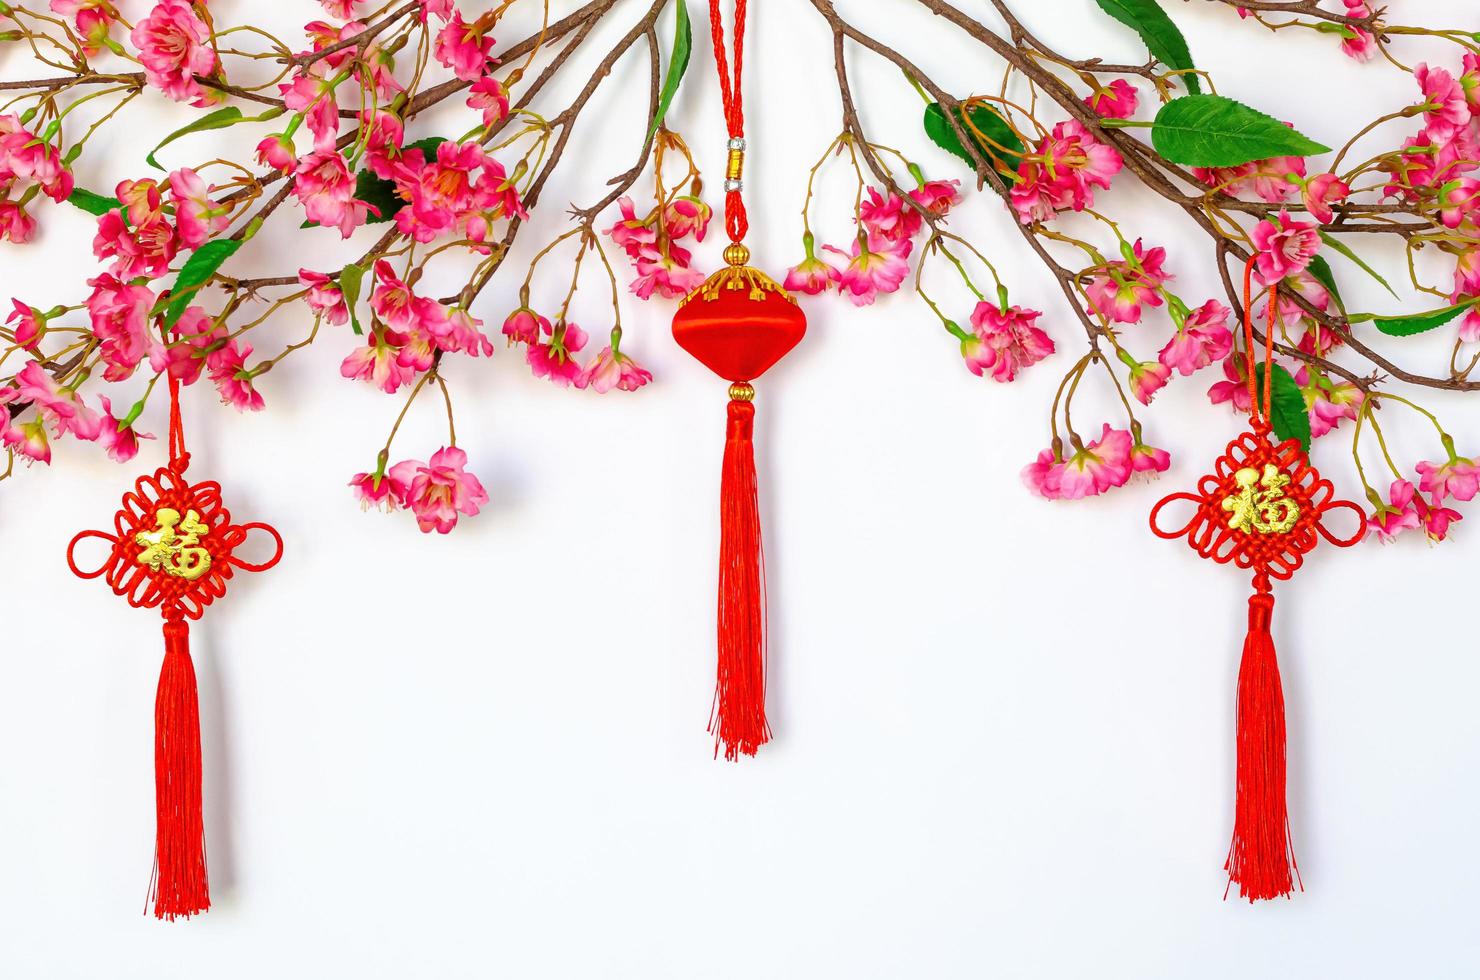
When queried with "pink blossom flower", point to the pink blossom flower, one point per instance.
{"points": [[1273, 180], [1203, 338], [1147, 378], [57, 405], [1458, 478], [1068, 166], [440, 192], [1327, 402], [312, 94], [1016, 343], [1118, 101], [1446, 110], [16, 225], [120, 441], [888, 218], [1398, 515], [197, 217], [1321, 192], [378, 363], [979, 356], [1095, 468], [326, 189], [119, 314], [1148, 460], [378, 490], [1284, 248], [872, 268], [30, 325], [343, 9], [685, 216], [489, 95], [393, 301], [325, 297], [1459, 199], [173, 49], [1235, 389], [1361, 46], [612, 369], [463, 47], [555, 358], [523, 326], [27, 440], [195, 337], [277, 151], [144, 250], [811, 275], [666, 273], [498, 192], [1042, 475], [25, 156], [937, 196], [1119, 289], [439, 490], [227, 368], [1436, 518], [631, 233]]}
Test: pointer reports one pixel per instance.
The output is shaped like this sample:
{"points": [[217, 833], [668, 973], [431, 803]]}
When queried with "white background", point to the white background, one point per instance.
{"points": [[1003, 727]]}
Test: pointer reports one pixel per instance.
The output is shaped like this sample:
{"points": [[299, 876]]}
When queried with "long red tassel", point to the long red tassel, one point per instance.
{"points": [[738, 719], [179, 887], [1261, 858]]}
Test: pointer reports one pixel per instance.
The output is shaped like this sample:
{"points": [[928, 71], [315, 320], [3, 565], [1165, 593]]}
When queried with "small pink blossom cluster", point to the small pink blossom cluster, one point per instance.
{"points": [[436, 491], [1118, 290], [1356, 43], [444, 195], [550, 350], [878, 260], [1062, 174], [651, 242], [25, 157], [1093, 468], [155, 231], [67, 414], [1435, 169], [409, 334], [1004, 341], [93, 20], [1411, 508], [1276, 181]]}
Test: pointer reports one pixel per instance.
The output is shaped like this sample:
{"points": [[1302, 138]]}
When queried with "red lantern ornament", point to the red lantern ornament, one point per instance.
{"points": [[172, 548], [1262, 508], [739, 322]]}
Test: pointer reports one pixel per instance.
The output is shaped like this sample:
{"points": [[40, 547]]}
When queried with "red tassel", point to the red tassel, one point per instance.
{"points": [[1261, 857], [179, 887], [738, 718]]}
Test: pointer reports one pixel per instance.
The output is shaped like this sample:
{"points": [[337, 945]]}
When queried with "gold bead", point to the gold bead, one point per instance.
{"points": [[741, 391], [736, 254]]}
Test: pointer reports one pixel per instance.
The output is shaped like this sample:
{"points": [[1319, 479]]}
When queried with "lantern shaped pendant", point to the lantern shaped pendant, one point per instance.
{"points": [[739, 323]]}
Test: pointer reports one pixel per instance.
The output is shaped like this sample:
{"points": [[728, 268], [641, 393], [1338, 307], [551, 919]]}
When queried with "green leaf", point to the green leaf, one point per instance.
{"points": [[1163, 39], [1211, 131], [349, 284], [219, 119], [678, 63], [1345, 249], [1000, 147], [92, 203], [1415, 323], [195, 273], [1287, 412], [1321, 269]]}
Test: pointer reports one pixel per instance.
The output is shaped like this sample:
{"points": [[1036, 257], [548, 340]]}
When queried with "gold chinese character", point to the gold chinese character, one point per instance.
{"points": [[173, 546], [1265, 510]]}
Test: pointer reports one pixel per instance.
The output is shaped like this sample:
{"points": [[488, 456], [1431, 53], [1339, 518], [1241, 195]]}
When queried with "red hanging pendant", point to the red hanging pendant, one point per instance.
{"points": [[739, 322], [1261, 508], [172, 548]]}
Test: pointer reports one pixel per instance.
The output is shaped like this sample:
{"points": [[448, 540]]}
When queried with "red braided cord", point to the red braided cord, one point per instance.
{"points": [[1257, 410], [732, 95]]}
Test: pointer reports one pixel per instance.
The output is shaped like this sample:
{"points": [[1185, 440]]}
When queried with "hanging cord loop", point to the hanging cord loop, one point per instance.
{"points": [[733, 97], [1259, 409]]}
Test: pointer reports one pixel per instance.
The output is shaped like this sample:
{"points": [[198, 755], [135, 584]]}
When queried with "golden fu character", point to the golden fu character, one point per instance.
{"points": [[1260, 503], [173, 546]]}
